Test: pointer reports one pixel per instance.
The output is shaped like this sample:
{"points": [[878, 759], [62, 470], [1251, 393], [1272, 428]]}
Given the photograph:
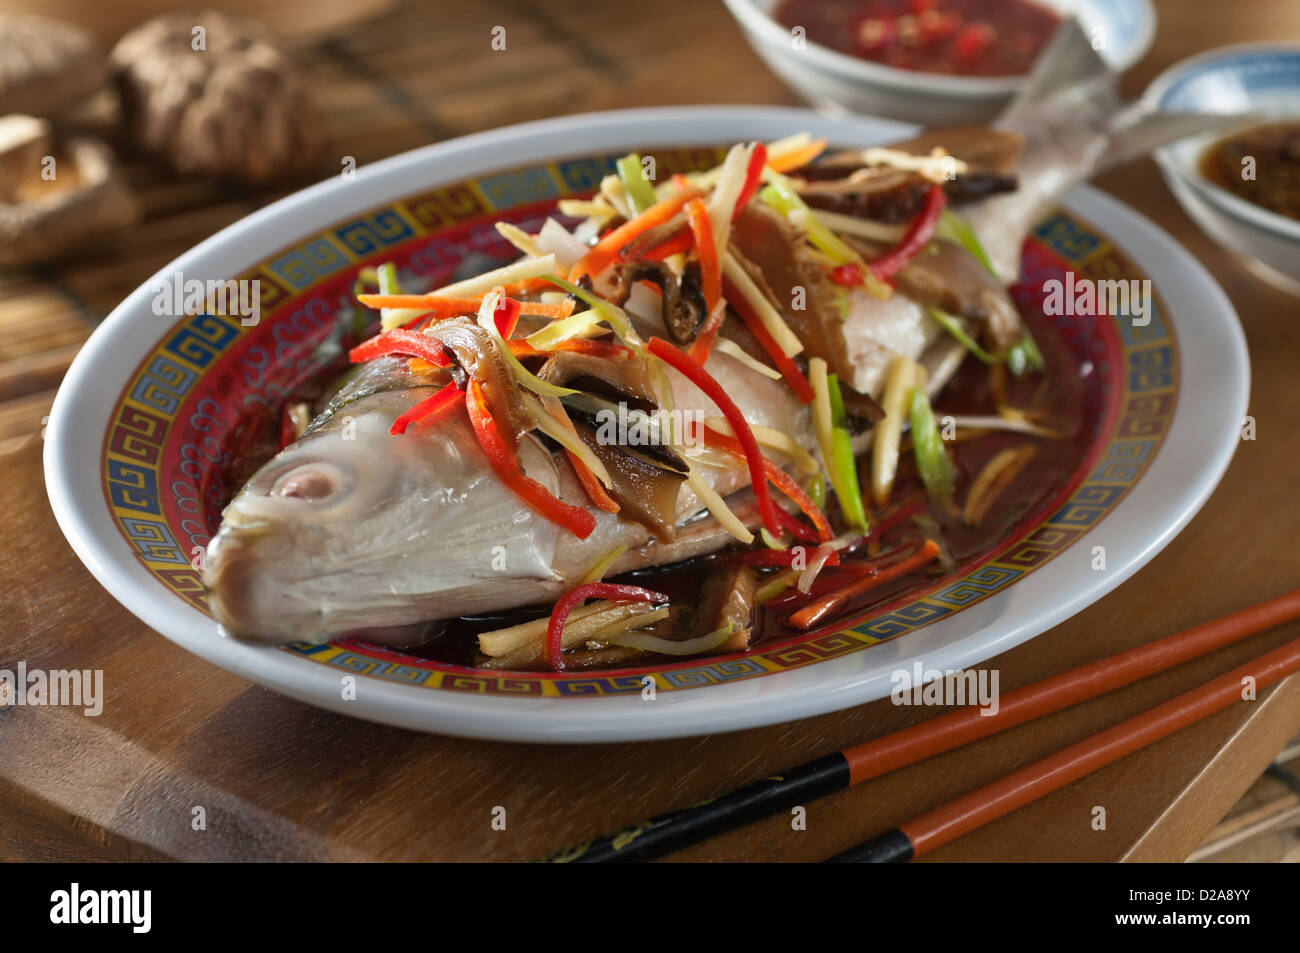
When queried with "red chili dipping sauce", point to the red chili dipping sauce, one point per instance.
{"points": [[957, 37]]}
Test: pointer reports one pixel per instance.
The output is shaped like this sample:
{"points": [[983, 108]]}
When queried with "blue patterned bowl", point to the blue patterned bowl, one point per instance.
{"points": [[1260, 78]]}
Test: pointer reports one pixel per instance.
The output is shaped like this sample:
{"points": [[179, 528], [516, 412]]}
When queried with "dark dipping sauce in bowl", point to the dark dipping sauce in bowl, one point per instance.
{"points": [[956, 37], [1260, 165]]}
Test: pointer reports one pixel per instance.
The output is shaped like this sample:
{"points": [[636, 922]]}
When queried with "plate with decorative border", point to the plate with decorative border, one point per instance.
{"points": [[148, 414]]}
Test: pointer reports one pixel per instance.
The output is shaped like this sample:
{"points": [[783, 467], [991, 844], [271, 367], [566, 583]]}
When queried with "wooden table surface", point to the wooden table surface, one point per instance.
{"points": [[281, 780]]}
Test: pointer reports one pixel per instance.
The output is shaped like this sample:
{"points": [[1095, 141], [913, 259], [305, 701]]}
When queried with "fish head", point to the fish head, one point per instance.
{"points": [[352, 527]]}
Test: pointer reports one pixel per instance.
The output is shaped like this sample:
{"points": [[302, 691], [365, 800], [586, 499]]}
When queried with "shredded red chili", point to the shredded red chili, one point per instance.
{"points": [[677, 245], [404, 343], [783, 482], [918, 234], [592, 590], [753, 175], [506, 316], [426, 408], [506, 466], [789, 370], [850, 275], [754, 458], [776, 557]]}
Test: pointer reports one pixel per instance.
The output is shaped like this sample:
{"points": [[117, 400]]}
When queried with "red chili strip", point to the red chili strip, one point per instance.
{"points": [[918, 234], [775, 557], [783, 482], [506, 316], [677, 245], [799, 530], [753, 457], [789, 370], [506, 466], [753, 175], [404, 343], [426, 408], [850, 275], [902, 511], [569, 601]]}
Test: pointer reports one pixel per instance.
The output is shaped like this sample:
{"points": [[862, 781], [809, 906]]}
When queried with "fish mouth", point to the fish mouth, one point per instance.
{"points": [[243, 594]]}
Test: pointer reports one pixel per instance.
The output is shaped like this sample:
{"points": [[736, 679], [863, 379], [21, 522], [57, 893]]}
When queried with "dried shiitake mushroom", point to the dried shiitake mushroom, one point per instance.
{"points": [[53, 202], [214, 94], [46, 66]]}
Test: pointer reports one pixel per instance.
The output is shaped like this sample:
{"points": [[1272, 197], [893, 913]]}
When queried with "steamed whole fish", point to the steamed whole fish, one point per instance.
{"points": [[353, 529]]}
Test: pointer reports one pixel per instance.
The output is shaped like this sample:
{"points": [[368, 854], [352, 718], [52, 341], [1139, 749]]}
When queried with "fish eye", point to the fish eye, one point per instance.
{"points": [[309, 482]]}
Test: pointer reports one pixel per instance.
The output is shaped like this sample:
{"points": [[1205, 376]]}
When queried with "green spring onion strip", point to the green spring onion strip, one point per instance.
{"points": [[615, 316], [817, 491], [781, 197], [1025, 356], [640, 192], [843, 469], [949, 324], [523, 375], [937, 471], [957, 229]]}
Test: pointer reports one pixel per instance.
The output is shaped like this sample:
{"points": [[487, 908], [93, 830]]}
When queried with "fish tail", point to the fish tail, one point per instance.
{"points": [[1068, 73], [1071, 81]]}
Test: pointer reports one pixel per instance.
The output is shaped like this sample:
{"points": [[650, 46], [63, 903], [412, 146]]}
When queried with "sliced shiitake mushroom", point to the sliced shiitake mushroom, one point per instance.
{"points": [[684, 309]]}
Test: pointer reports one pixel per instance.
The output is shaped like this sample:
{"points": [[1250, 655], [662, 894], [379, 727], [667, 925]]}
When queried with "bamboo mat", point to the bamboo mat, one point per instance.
{"points": [[425, 72]]}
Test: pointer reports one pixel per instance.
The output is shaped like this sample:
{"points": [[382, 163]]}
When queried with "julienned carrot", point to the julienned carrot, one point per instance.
{"points": [[702, 346], [679, 244], [607, 249], [592, 485], [606, 349], [835, 600], [753, 457], [797, 158], [449, 307], [779, 478], [789, 370], [710, 271], [505, 465]]}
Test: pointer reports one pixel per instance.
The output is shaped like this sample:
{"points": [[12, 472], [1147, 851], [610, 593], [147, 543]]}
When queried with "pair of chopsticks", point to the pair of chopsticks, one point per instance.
{"points": [[851, 766]]}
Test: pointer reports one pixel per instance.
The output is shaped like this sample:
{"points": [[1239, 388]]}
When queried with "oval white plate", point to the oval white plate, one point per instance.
{"points": [[1196, 450]]}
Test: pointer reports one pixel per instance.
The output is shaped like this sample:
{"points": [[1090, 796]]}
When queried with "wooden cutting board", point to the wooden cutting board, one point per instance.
{"points": [[279, 780]]}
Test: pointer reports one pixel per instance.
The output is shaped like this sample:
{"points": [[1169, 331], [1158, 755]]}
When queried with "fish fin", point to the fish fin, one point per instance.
{"points": [[1069, 68], [1070, 75], [1139, 129]]}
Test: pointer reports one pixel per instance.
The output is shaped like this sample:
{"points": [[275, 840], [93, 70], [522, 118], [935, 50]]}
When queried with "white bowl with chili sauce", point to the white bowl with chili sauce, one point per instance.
{"points": [[841, 82]]}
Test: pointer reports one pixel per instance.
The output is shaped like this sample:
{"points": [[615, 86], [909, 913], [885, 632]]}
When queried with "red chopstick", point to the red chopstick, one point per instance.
{"points": [[842, 769], [976, 808]]}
